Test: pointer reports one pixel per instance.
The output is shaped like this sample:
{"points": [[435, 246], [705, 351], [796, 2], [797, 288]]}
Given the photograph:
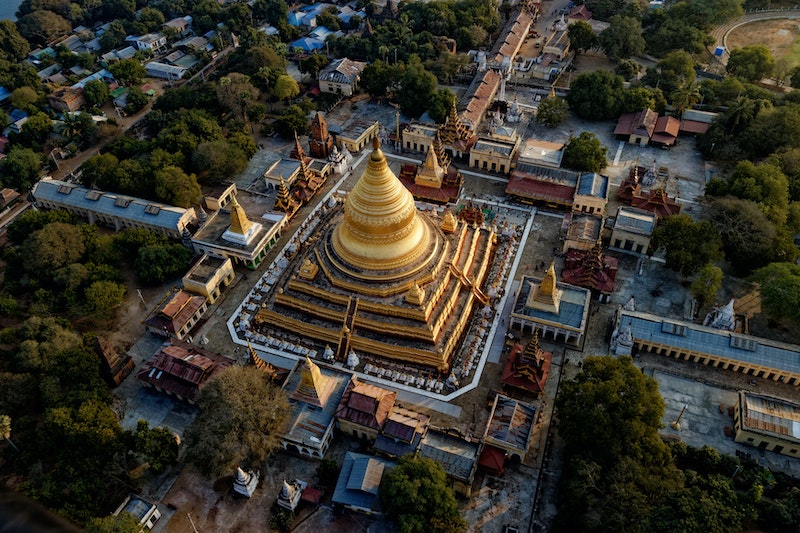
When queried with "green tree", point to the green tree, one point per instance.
{"points": [[241, 418], [157, 446], [684, 97], [622, 39], [764, 184], [55, 245], [674, 70], [122, 523], [37, 129], [780, 290], [552, 112], [627, 69], [706, 284], [292, 120], [439, 105], [24, 98], [5, 430], [41, 27], [751, 63], [688, 245], [13, 46], [21, 168], [104, 297], [96, 92], [740, 113], [218, 160], [585, 153], [127, 71], [750, 240], [596, 95], [419, 498], [377, 77], [159, 263], [175, 187], [285, 88], [312, 64], [794, 77], [236, 94], [114, 36], [417, 85], [581, 36], [135, 100], [612, 410]]}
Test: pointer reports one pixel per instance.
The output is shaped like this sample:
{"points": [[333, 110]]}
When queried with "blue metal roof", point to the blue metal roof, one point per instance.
{"points": [[104, 203], [592, 184], [702, 339], [4, 93], [570, 310], [359, 480]]}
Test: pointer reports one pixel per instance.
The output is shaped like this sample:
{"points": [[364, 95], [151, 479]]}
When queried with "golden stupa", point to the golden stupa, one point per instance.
{"points": [[382, 278]]}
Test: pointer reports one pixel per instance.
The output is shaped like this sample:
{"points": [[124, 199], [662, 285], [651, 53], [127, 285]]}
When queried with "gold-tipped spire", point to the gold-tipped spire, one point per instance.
{"points": [[314, 388], [381, 228], [239, 222], [546, 296]]}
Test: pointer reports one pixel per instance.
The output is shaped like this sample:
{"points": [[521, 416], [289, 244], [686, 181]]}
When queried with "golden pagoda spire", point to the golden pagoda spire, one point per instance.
{"points": [[548, 286], [314, 388], [431, 174], [546, 296], [239, 222], [381, 229]]}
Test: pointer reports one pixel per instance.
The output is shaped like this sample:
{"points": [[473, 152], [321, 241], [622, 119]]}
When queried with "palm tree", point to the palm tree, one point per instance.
{"points": [[685, 97], [740, 112], [5, 430]]}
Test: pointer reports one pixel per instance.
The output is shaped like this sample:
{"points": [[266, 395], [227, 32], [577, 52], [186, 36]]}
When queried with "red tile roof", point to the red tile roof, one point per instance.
{"points": [[523, 373], [366, 405], [534, 188], [590, 269]]}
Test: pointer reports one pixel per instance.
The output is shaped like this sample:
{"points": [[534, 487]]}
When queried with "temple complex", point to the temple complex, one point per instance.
{"points": [[434, 180], [383, 279], [527, 367]]}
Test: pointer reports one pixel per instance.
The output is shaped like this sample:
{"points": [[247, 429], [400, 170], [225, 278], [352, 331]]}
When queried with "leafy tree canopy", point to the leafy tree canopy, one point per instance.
{"points": [[585, 153], [780, 290], [596, 95], [688, 245], [239, 424], [622, 39], [419, 498], [751, 63], [552, 112]]}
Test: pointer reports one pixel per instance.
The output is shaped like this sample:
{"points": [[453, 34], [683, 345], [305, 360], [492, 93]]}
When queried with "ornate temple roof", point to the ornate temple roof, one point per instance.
{"points": [[546, 296], [314, 388], [381, 228]]}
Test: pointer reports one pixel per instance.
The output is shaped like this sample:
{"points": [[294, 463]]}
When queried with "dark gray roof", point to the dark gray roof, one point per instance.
{"points": [[359, 480], [457, 456], [592, 184]]}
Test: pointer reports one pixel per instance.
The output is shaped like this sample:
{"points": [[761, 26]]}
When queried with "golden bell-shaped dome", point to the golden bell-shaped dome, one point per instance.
{"points": [[381, 229]]}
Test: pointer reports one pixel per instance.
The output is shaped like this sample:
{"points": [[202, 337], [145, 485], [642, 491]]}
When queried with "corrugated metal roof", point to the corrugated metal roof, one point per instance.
{"points": [[702, 339], [358, 481], [457, 456], [105, 203], [772, 415]]}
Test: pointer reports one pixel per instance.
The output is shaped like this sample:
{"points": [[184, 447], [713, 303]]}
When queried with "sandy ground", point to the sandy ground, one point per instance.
{"points": [[777, 35]]}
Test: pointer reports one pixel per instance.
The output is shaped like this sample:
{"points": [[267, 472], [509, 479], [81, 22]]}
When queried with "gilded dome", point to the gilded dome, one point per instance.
{"points": [[381, 228]]}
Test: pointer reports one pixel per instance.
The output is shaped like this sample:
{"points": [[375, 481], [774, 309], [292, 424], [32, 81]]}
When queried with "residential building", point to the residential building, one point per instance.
{"points": [[768, 423], [115, 210], [177, 314], [152, 42], [557, 44], [181, 25], [181, 369], [158, 69], [355, 134], [632, 230], [341, 76], [66, 100]]}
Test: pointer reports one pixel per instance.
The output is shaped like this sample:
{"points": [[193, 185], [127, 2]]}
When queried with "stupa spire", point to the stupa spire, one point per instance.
{"points": [[381, 228], [239, 222], [314, 388]]}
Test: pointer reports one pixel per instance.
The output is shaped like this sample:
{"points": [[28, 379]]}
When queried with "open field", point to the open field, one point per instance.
{"points": [[782, 37]]}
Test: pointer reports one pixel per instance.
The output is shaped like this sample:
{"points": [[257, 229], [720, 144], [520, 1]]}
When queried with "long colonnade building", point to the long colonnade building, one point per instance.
{"points": [[384, 279]]}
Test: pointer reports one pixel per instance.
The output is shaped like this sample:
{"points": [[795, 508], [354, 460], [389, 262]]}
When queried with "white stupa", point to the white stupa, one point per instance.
{"points": [[245, 483]]}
